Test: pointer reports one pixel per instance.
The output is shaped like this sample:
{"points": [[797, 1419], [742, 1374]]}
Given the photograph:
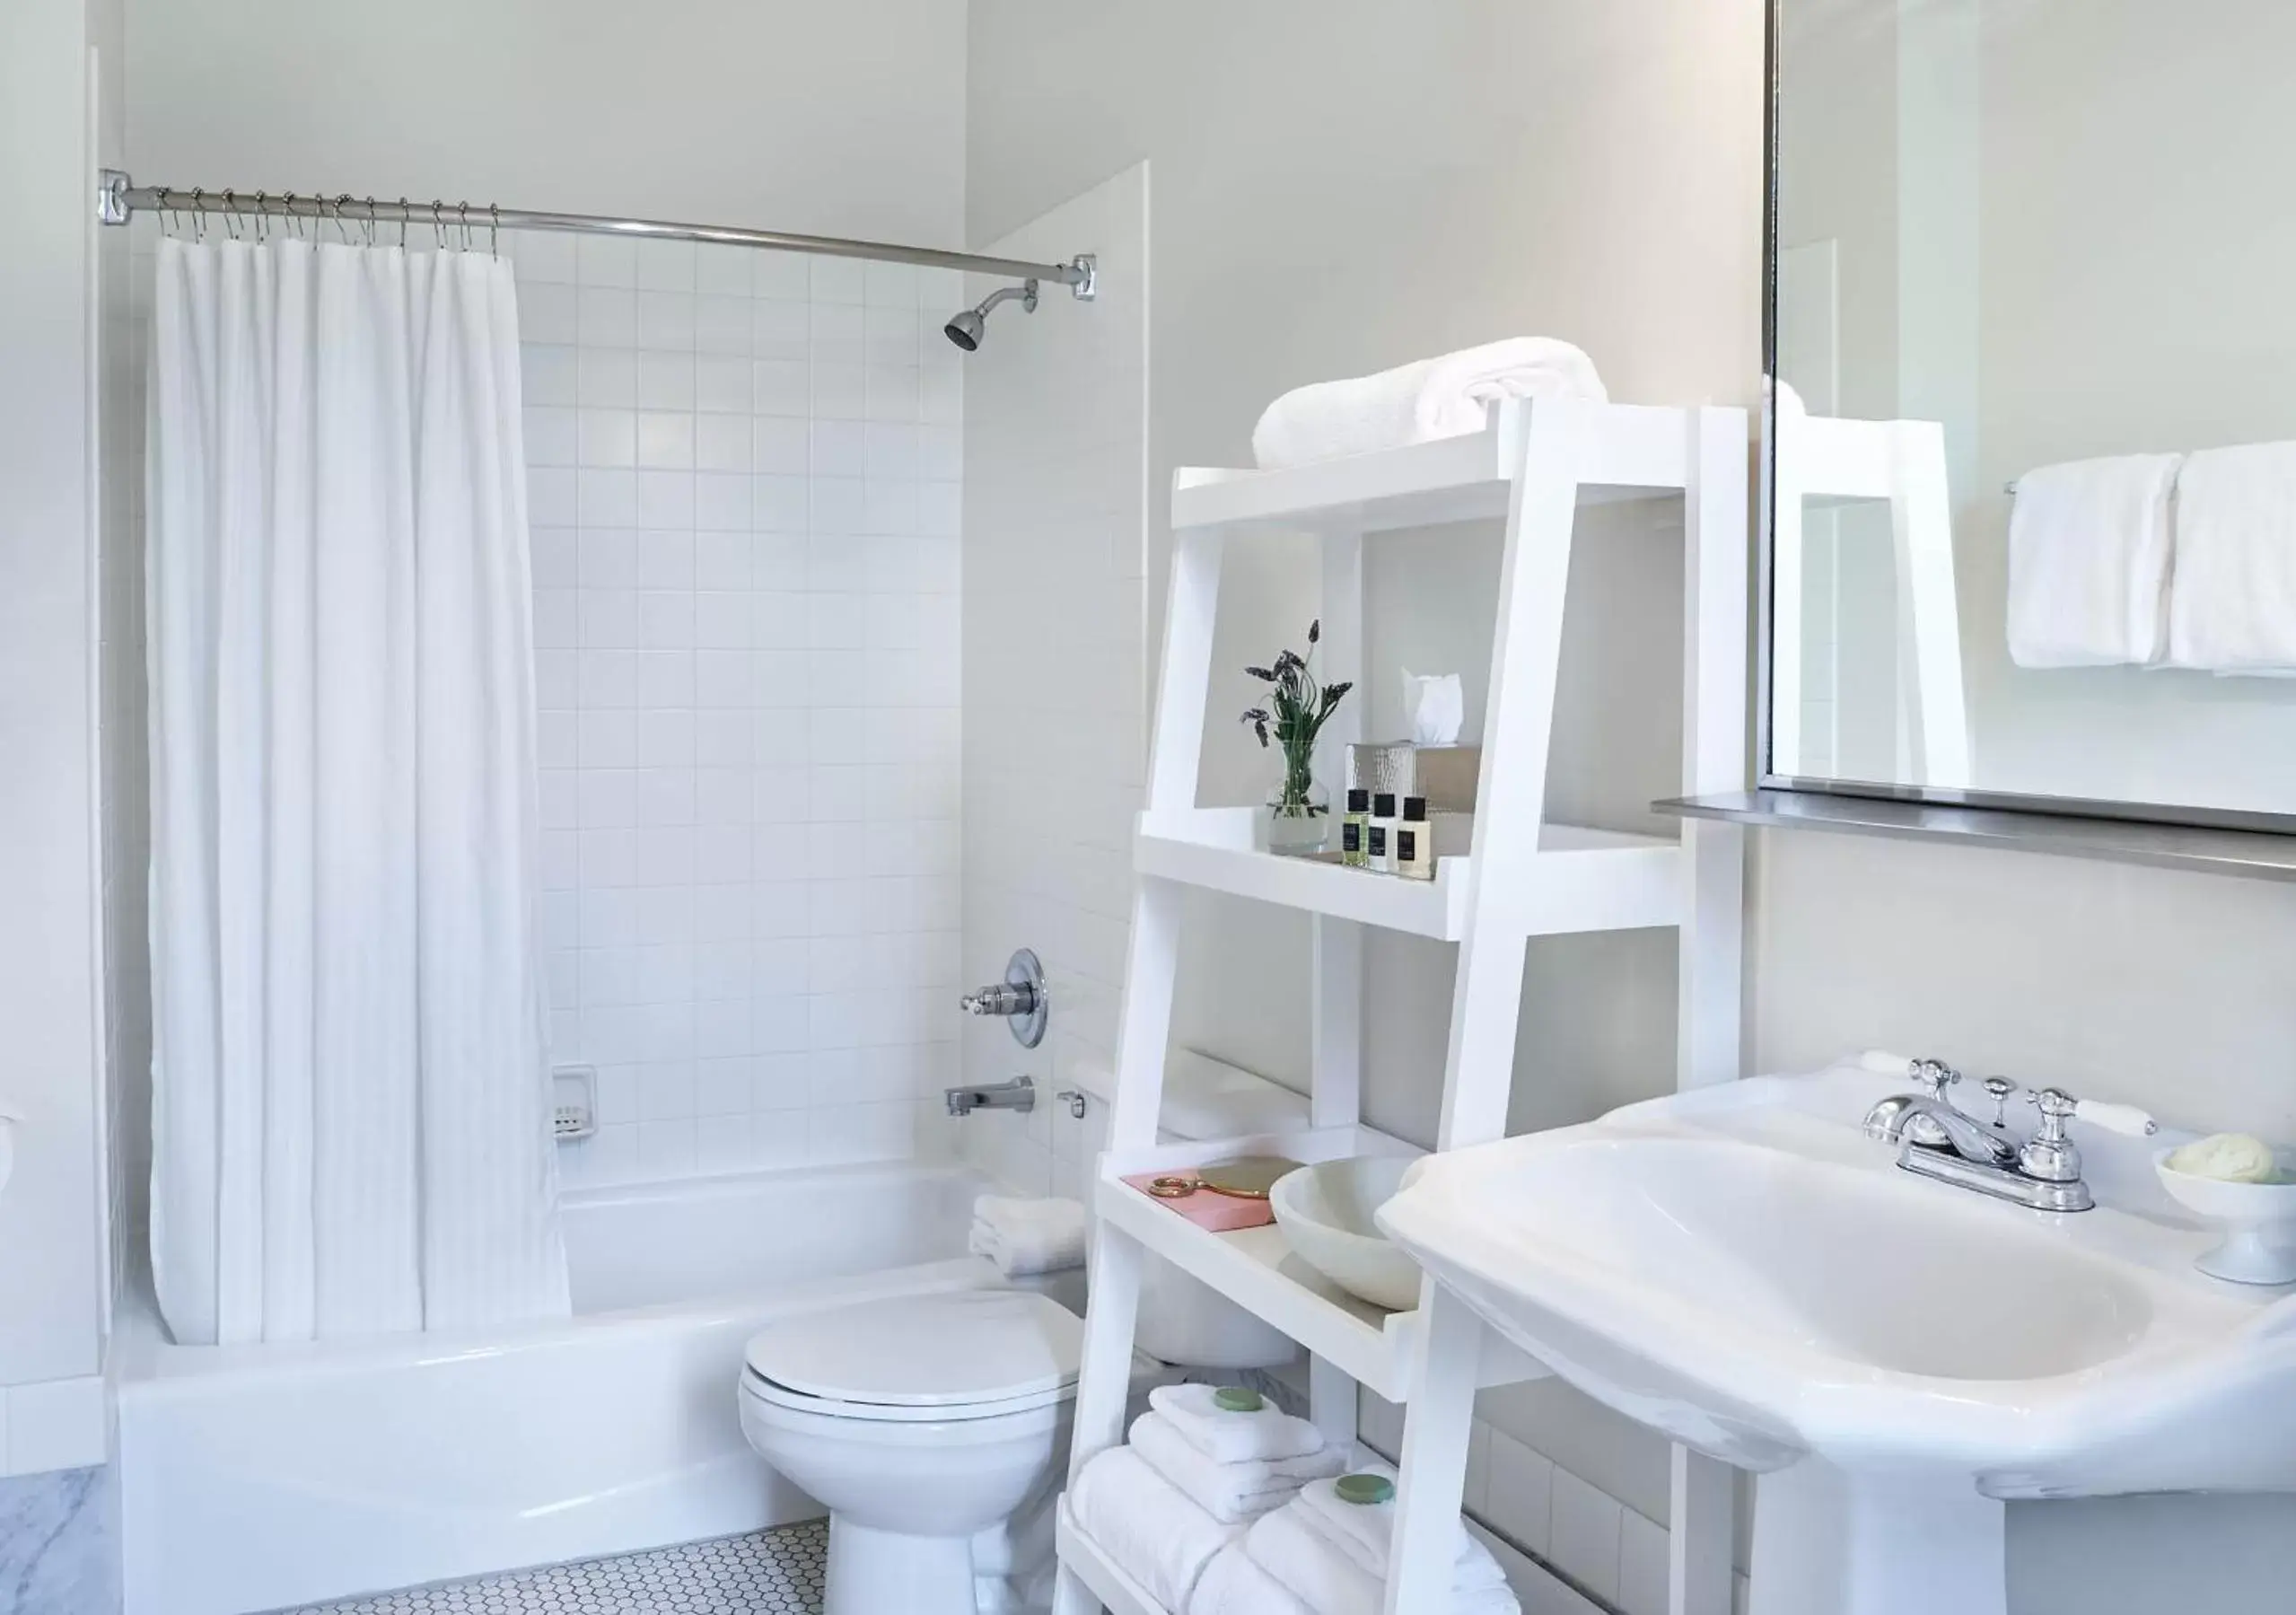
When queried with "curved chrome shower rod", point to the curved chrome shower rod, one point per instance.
{"points": [[118, 199]]}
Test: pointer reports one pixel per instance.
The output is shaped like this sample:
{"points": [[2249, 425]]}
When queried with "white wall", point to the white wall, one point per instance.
{"points": [[1056, 672], [836, 119], [50, 1254]]}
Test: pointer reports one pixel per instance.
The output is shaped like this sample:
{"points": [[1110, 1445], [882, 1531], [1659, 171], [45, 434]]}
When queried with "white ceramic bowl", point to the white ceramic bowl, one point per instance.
{"points": [[2259, 1222], [1324, 1212]]}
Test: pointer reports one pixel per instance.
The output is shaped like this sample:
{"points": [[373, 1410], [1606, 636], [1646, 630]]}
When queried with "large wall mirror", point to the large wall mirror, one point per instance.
{"points": [[2032, 533]]}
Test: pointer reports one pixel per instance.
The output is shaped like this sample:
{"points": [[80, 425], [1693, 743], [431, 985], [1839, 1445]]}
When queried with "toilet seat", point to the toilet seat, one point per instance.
{"points": [[941, 1357]]}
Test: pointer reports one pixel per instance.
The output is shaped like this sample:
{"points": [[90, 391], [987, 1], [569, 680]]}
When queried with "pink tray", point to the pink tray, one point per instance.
{"points": [[1217, 1213]]}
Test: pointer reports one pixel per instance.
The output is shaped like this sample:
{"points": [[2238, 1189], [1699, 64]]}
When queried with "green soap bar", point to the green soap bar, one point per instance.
{"points": [[1364, 1488], [1238, 1399]]}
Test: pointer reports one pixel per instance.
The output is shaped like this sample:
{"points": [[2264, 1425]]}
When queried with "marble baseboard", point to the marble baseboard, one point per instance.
{"points": [[58, 1553]]}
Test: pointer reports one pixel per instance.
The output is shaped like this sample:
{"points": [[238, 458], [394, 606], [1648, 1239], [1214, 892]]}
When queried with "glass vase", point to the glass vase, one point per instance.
{"points": [[1296, 821]]}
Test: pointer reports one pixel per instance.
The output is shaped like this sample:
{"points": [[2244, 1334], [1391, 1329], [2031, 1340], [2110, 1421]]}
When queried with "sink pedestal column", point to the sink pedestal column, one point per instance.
{"points": [[1826, 1542]]}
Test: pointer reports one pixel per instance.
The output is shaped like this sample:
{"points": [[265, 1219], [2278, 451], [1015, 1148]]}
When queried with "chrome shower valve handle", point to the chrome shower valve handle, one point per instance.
{"points": [[1020, 998]]}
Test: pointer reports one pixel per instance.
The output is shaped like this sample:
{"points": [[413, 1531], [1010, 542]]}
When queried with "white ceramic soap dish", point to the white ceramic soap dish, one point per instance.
{"points": [[2259, 1222]]}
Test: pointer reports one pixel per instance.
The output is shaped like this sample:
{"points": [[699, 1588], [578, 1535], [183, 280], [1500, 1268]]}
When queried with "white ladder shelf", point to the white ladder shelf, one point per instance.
{"points": [[1527, 875]]}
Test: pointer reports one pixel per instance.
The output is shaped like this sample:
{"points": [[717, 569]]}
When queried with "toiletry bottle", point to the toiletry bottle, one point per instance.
{"points": [[1351, 850], [1414, 842], [1382, 847]]}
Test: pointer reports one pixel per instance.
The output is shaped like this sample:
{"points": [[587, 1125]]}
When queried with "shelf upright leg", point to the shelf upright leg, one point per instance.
{"points": [[1511, 797], [1422, 1557], [1711, 937], [1336, 1086], [1336, 1092], [1191, 611], [1704, 1499], [1711, 934]]}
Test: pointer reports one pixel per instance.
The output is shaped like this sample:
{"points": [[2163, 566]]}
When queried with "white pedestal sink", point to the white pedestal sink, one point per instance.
{"points": [[1742, 1269]]}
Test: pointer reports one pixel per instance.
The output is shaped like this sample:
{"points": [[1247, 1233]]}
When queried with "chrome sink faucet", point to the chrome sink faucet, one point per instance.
{"points": [[1937, 1139]]}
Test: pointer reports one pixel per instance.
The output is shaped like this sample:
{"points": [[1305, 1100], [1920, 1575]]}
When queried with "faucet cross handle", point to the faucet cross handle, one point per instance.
{"points": [[2056, 1107], [1933, 1076], [2052, 1157]]}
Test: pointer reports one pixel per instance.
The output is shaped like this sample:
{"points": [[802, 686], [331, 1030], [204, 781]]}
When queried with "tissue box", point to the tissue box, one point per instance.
{"points": [[1445, 776]]}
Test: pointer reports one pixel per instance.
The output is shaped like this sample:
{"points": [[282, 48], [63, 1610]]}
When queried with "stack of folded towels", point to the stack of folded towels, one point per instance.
{"points": [[1222, 1506], [1027, 1237]]}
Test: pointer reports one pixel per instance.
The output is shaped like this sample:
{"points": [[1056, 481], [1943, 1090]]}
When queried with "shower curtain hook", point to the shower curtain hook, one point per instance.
{"points": [[465, 205], [231, 217], [342, 218], [438, 224], [198, 216], [494, 230], [262, 218], [404, 207], [369, 231]]}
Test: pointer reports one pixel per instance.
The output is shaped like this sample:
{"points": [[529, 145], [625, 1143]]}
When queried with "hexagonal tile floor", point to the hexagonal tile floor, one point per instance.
{"points": [[767, 1573]]}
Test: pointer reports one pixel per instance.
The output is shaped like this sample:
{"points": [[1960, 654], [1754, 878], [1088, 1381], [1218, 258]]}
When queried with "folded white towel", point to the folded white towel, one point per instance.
{"points": [[1233, 1583], [1228, 1492], [1447, 397], [1363, 1530], [1226, 1436], [1306, 1563], [1024, 1237], [2232, 607], [1141, 1522], [2089, 555]]}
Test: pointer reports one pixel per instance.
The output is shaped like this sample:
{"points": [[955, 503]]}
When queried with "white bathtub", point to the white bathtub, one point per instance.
{"points": [[256, 1478]]}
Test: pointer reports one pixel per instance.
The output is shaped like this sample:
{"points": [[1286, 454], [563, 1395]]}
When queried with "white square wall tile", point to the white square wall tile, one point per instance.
{"points": [[749, 857], [840, 280], [1642, 1565], [1585, 1526]]}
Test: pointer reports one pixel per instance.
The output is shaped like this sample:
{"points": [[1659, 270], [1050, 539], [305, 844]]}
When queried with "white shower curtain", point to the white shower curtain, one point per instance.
{"points": [[350, 1101]]}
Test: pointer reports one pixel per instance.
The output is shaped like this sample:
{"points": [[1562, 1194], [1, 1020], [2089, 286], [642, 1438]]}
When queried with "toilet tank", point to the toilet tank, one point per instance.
{"points": [[1182, 1319]]}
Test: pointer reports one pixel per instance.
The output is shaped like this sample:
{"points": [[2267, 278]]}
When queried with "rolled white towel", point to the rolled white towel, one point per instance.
{"points": [[1313, 1570], [1226, 1436], [1024, 1237], [1140, 1520], [1229, 1492], [1233, 1583], [1364, 1530], [1446, 397]]}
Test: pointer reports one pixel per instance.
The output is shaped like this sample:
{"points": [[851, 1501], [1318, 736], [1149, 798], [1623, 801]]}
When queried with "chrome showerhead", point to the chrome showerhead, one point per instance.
{"points": [[966, 329]]}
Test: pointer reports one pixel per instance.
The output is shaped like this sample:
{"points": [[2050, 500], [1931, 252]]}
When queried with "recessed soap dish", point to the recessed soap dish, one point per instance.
{"points": [[574, 1112]]}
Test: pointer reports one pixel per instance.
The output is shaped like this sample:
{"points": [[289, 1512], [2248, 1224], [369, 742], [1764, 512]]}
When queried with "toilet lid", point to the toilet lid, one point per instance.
{"points": [[953, 1349]]}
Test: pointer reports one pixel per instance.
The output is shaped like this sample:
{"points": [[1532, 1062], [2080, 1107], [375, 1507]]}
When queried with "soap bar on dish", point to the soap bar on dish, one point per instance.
{"points": [[2228, 1158]]}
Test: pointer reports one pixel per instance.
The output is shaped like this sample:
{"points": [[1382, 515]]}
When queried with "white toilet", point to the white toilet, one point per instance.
{"points": [[921, 1422], [918, 1421]]}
